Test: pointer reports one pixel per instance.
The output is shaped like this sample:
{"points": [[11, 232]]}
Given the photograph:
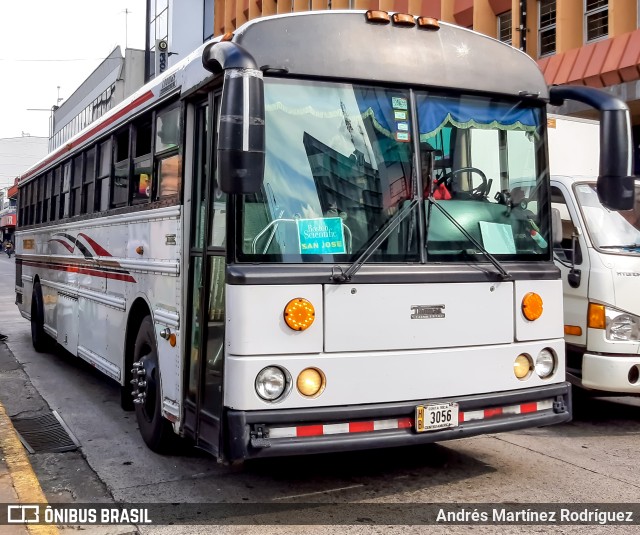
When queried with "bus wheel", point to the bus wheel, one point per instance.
{"points": [[42, 342], [156, 431]]}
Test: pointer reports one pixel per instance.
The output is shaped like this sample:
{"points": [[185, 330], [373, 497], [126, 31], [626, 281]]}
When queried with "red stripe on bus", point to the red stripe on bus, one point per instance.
{"points": [[100, 126], [528, 407], [460, 417], [488, 413], [84, 271], [309, 430], [96, 247], [360, 427]]}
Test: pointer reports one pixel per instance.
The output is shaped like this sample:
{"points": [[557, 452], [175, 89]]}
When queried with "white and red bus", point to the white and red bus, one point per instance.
{"points": [[325, 231]]}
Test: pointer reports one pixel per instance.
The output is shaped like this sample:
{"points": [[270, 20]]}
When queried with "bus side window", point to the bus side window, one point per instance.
{"points": [[167, 147], [120, 187], [103, 167], [141, 178], [46, 195], [55, 191], [76, 185], [66, 184], [88, 181]]}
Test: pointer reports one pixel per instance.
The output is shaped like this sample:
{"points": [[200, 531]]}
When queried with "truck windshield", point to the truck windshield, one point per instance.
{"points": [[618, 231], [341, 161]]}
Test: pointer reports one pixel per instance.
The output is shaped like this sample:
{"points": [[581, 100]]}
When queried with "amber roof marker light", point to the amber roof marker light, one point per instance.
{"points": [[428, 23], [378, 16], [403, 19]]}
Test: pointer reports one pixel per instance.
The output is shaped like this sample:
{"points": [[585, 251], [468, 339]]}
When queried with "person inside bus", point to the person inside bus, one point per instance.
{"points": [[437, 186]]}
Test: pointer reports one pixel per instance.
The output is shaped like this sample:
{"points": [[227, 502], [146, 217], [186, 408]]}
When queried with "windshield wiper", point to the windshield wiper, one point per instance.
{"points": [[337, 275], [629, 246], [505, 275]]}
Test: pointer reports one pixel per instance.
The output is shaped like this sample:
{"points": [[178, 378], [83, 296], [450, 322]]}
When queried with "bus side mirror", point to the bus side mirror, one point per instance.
{"points": [[241, 144], [241, 148], [556, 226], [615, 183]]}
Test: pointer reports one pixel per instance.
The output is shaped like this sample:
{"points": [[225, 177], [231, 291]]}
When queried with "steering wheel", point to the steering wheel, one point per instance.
{"points": [[478, 192]]}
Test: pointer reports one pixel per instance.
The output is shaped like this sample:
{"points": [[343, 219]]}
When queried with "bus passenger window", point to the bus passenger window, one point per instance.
{"points": [[87, 183], [46, 194], [141, 179], [66, 184], [76, 185], [120, 189], [101, 199], [170, 173], [55, 191], [168, 130]]}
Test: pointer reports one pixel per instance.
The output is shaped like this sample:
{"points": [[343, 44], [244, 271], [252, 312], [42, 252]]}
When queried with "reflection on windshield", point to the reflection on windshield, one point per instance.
{"points": [[608, 229], [339, 164]]}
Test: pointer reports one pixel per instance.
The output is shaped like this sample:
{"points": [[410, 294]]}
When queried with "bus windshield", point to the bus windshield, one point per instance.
{"points": [[341, 161]]}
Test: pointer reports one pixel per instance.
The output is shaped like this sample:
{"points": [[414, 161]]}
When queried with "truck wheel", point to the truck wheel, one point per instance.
{"points": [[42, 342], [156, 431]]}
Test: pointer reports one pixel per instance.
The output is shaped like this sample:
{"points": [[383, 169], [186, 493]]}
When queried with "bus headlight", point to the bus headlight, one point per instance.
{"points": [[545, 363], [622, 327], [271, 383]]}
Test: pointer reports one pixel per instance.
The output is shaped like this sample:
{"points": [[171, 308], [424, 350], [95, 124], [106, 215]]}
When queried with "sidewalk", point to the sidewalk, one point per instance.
{"points": [[18, 482]]}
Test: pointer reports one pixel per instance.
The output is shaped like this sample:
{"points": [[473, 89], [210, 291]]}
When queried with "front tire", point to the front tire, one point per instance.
{"points": [[41, 341], [156, 431]]}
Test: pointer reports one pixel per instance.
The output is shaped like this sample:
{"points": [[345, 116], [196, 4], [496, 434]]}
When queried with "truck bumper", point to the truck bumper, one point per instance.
{"points": [[255, 434], [611, 373]]}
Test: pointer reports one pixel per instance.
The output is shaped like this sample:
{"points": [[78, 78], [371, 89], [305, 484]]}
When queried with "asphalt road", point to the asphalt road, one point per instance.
{"points": [[593, 459]]}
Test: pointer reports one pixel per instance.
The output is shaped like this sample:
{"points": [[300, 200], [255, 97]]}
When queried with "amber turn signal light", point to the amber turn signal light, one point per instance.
{"points": [[573, 330], [595, 316], [299, 314], [532, 306]]}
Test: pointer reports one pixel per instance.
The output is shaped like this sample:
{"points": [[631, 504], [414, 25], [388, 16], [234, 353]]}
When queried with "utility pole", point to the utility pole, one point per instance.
{"points": [[126, 27]]}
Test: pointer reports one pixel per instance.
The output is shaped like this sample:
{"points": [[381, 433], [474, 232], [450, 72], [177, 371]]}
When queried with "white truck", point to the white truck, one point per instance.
{"points": [[598, 252]]}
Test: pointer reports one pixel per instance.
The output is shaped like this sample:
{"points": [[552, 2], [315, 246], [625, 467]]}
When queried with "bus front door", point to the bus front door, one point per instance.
{"points": [[206, 279]]}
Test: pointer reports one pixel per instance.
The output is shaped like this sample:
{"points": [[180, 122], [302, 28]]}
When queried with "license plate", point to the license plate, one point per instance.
{"points": [[435, 416]]}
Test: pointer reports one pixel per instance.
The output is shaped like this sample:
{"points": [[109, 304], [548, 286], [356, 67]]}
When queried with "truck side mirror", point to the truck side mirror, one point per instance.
{"points": [[556, 226]]}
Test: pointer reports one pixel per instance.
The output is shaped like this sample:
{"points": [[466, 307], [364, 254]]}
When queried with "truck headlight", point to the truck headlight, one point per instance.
{"points": [[621, 326]]}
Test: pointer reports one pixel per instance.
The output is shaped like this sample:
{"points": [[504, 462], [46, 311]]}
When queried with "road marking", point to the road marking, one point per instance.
{"points": [[318, 492], [23, 477]]}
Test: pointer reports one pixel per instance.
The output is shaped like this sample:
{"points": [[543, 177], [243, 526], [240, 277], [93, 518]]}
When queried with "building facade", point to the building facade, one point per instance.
{"points": [[17, 154], [117, 77]]}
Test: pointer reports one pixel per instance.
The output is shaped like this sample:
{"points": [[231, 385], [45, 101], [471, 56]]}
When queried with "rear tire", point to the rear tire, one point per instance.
{"points": [[41, 341], [156, 430]]}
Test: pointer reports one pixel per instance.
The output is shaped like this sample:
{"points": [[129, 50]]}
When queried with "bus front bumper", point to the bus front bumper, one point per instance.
{"points": [[255, 434]]}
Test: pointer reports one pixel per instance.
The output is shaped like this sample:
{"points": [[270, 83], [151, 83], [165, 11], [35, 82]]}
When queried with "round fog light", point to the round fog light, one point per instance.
{"points": [[271, 383], [522, 366], [545, 363], [311, 382]]}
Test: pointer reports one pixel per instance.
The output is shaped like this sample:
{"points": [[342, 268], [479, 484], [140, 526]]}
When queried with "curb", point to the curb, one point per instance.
{"points": [[23, 477]]}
